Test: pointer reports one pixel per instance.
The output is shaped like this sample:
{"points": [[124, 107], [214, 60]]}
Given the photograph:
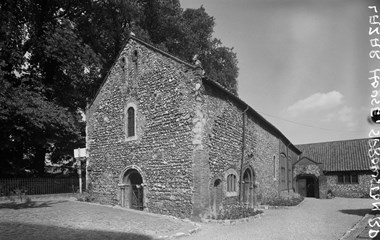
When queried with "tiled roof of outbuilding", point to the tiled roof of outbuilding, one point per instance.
{"points": [[348, 155]]}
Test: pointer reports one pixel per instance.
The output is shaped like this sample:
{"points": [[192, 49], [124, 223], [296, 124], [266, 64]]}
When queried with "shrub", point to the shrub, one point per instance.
{"points": [[18, 194], [330, 194], [85, 197], [236, 211], [285, 200], [367, 194]]}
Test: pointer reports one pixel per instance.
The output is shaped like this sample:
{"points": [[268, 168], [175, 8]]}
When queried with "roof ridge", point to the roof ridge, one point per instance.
{"points": [[167, 54], [345, 140], [342, 155], [91, 101], [277, 132]]}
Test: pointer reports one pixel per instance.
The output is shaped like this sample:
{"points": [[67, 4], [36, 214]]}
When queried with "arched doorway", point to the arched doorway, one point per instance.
{"points": [[132, 190], [308, 185], [216, 196], [248, 187]]}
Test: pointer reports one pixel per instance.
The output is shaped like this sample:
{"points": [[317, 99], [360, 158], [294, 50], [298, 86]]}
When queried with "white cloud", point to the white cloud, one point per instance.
{"points": [[317, 101]]}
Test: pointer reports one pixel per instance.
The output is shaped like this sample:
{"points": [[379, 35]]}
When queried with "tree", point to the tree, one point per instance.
{"points": [[54, 55], [46, 71], [189, 32], [222, 65]]}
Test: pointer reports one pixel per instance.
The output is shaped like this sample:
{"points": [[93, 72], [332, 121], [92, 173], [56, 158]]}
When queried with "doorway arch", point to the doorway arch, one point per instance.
{"points": [[132, 189], [307, 185], [216, 196], [248, 194]]}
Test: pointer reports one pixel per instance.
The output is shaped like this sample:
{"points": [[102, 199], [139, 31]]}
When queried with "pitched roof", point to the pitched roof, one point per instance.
{"points": [[264, 123], [91, 101], [348, 155], [271, 128]]}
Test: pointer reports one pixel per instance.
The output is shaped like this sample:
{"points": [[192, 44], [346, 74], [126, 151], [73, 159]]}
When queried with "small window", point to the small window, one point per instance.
{"points": [[340, 179], [348, 178], [354, 178], [283, 175], [289, 174], [135, 56], [283, 172], [131, 122], [231, 183], [274, 167], [217, 182]]}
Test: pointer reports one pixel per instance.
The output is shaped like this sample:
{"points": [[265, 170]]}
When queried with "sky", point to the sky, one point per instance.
{"points": [[303, 64]]}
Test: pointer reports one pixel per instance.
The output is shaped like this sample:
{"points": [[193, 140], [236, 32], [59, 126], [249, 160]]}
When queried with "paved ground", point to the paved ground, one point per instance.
{"points": [[314, 219], [76, 220], [362, 229]]}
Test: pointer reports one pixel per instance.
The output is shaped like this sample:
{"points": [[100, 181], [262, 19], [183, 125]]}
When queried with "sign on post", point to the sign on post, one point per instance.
{"points": [[78, 154]]}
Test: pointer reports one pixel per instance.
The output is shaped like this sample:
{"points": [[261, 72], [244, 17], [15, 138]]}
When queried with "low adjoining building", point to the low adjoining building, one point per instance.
{"points": [[343, 167]]}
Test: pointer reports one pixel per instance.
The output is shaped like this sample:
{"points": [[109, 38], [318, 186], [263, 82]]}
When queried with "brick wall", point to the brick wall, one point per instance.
{"points": [[162, 90]]}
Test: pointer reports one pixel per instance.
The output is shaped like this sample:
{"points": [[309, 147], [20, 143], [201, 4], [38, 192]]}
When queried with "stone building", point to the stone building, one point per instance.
{"points": [[162, 137], [340, 166]]}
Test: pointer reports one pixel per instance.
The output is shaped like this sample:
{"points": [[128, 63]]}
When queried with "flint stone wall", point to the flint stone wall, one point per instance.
{"points": [[188, 134], [349, 190], [163, 92], [223, 136]]}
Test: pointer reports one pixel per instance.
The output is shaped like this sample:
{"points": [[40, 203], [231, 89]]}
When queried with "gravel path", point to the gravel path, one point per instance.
{"points": [[77, 220], [314, 219]]}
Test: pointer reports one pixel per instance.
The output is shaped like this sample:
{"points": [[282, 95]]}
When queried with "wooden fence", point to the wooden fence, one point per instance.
{"points": [[33, 186]]}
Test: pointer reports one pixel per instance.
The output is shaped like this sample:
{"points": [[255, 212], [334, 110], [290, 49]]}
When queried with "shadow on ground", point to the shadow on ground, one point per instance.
{"points": [[26, 231], [28, 204], [359, 212]]}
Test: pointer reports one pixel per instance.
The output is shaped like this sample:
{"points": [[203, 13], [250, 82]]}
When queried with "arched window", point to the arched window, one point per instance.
{"points": [[130, 122], [122, 63], [290, 175], [231, 183], [283, 172], [274, 167], [135, 56], [231, 186]]}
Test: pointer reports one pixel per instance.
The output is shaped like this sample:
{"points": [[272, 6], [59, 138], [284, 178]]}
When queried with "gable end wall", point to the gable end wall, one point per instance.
{"points": [[162, 90]]}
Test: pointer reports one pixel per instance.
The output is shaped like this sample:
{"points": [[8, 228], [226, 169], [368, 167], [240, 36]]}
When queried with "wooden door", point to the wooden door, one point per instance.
{"points": [[137, 195], [302, 187]]}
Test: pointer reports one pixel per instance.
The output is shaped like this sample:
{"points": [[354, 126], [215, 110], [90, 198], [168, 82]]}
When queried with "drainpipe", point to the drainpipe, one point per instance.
{"points": [[242, 157], [279, 168], [287, 165]]}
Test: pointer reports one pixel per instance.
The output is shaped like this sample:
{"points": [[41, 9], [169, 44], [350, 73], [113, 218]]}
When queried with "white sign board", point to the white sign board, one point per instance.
{"points": [[79, 152]]}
